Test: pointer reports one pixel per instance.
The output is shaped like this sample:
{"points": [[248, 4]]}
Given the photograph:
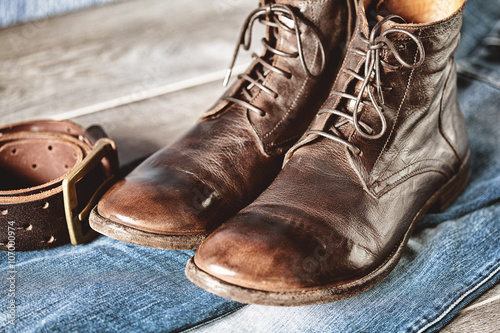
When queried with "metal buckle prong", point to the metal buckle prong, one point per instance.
{"points": [[104, 148]]}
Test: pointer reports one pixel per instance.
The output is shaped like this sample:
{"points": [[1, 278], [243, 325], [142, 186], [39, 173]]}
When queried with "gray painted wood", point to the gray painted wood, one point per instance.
{"points": [[122, 49], [140, 129], [128, 51]]}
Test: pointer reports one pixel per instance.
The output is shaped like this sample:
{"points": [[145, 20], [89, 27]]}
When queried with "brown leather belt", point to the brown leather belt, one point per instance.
{"points": [[51, 175]]}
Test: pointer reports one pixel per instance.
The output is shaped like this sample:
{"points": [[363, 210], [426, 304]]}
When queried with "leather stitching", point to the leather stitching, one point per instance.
{"points": [[268, 77], [289, 109], [396, 119], [388, 188], [411, 164], [299, 94], [284, 142], [440, 124], [301, 88]]}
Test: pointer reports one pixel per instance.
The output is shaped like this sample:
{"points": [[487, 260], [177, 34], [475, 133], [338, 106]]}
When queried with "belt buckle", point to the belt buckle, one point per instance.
{"points": [[104, 148]]}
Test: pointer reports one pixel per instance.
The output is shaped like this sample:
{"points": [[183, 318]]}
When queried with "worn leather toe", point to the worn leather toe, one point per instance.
{"points": [[277, 253], [166, 201]]}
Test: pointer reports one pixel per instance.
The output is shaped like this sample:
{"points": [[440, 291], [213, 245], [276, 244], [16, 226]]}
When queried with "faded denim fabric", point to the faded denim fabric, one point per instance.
{"points": [[105, 286], [452, 258]]}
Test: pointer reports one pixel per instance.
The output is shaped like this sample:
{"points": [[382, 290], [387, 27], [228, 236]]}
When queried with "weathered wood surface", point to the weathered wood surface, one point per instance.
{"points": [[151, 59], [118, 51], [141, 128]]}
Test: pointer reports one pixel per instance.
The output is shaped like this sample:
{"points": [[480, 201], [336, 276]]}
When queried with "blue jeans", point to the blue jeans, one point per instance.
{"points": [[452, 258]]}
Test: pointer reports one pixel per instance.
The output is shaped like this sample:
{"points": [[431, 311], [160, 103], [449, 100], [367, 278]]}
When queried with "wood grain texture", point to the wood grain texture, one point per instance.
{"points": [[141, 128], [88, 57]]}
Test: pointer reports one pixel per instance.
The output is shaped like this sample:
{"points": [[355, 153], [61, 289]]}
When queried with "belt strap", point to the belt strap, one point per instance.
{"points": [[51, 175]]}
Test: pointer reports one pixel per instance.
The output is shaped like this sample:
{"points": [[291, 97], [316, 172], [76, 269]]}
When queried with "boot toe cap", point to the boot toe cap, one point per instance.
{"points": [[171, 202], [266, 251], [262, 253]]}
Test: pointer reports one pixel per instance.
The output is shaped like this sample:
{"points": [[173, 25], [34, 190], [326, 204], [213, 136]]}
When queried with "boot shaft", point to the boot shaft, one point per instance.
{"points": [[417, 96]]}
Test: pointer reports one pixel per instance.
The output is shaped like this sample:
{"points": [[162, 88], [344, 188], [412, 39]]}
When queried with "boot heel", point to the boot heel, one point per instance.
{"points": [[452, 190]]}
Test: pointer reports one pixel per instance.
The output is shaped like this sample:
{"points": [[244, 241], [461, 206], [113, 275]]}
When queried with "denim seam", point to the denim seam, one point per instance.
{"points": [[479, 41], [463, 69], [457, 302], [197, 326], [472, 57]]}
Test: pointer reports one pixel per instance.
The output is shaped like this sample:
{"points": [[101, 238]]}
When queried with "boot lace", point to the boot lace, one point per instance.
{"points": [[269, 15], [371, 83]]}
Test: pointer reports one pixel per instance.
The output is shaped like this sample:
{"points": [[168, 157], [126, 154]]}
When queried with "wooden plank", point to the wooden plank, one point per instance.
{"points": [[119, 50], [141, 128]]}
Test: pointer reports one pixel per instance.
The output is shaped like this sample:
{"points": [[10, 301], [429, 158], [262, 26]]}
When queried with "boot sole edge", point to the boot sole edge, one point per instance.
{"points": [[131, 235]]}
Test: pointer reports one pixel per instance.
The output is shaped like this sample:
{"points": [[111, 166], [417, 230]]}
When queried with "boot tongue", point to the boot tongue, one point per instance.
{"points": [[373, 14], [383, 11]]}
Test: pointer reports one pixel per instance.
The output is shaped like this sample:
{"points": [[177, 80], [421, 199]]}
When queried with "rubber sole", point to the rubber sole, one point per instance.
{"points": [[134, 236], [441, 200]]}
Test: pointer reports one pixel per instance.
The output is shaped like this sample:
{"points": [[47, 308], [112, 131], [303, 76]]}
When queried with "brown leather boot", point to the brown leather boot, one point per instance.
{"points": [[179, 195], [388, 145]]}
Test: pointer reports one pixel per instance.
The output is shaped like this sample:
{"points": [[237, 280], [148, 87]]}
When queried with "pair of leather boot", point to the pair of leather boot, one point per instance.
{"points": [[304, 182]]}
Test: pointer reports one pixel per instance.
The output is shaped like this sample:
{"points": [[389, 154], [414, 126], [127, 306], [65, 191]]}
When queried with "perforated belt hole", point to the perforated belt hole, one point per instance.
{"points": [[13, 151], [66, 166], [46, 205], [4, 212], [49, 147], [33, 166]]}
